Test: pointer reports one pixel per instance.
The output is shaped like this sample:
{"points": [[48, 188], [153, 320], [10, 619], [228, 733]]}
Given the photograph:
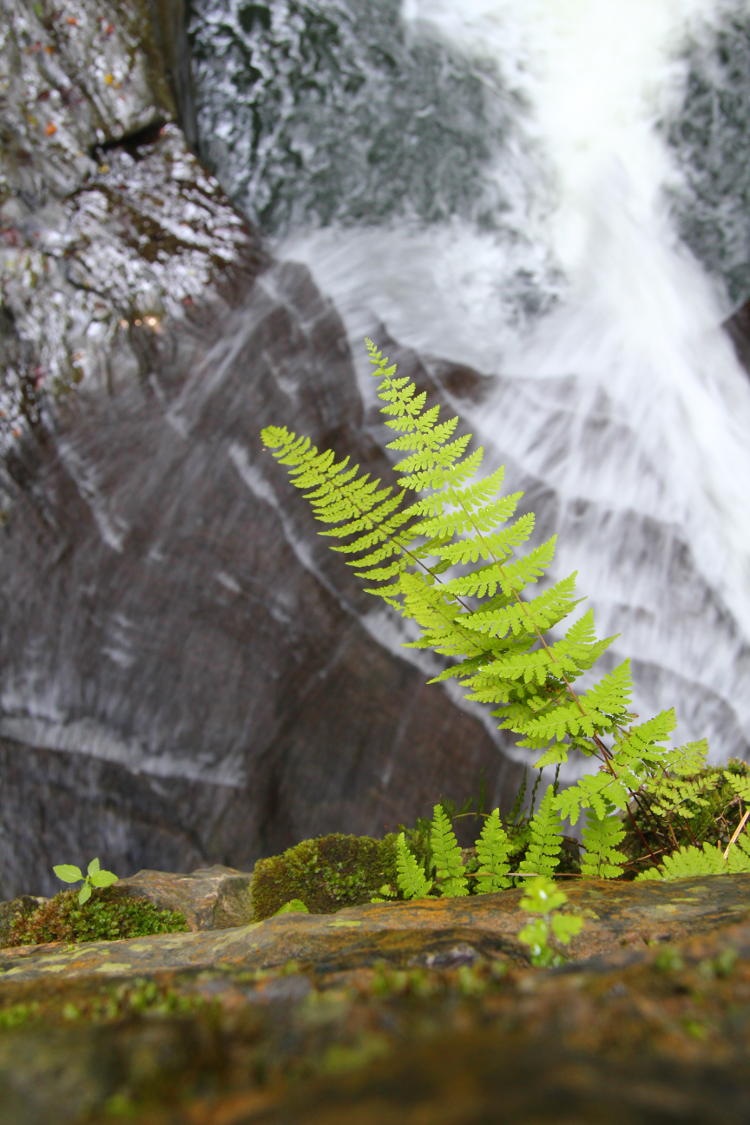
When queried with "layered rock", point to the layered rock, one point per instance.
{"points": [[393, 1013], [187, 676]]}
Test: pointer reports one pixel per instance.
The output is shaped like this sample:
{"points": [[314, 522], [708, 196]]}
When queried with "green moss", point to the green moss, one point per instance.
{"points": [[107, 916], [326, 874], [141, 996]]}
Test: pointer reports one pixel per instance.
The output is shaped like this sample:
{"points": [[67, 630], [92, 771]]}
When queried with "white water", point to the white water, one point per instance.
{"points": [[630, 402]]}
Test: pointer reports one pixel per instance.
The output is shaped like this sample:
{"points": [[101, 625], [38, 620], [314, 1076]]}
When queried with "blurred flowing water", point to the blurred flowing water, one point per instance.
{"points": [[554, 192]]}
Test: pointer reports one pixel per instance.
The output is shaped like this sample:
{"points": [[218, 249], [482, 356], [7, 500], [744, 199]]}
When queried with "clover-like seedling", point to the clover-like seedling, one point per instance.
{"points": [[94, 877], [548, 931]]}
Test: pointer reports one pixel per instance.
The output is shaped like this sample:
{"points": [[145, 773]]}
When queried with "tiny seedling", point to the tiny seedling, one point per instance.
{"points": [[548, 930], [94, 877]]}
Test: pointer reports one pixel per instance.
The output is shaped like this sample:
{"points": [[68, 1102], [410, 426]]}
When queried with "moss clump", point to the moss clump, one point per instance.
{"points": [[106, 916], [326, 873]]}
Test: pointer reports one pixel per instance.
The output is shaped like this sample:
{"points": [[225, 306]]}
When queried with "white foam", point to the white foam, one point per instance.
{"points": [[635, 336]]}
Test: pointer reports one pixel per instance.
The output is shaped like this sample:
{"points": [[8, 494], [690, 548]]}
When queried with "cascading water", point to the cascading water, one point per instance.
{"points": [[510, 184]]}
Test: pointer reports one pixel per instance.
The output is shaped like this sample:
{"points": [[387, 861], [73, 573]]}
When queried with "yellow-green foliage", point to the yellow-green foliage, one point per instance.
{"points": [[687, 808], [326, 874], [543, 854], [410, 878], [450, 871], [493, 852], [105, 917], [549, 928], [602, 858], [442, 545], [690, 861]]}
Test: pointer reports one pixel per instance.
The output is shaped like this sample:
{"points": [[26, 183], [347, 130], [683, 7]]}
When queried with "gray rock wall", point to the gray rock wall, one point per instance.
{"points": [[188, 675]]}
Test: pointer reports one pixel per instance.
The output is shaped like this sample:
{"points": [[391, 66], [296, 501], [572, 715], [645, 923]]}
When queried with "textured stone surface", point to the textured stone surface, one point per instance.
{"points": [[409, 1012], [187, 677], [211, 898], [247, 702]]}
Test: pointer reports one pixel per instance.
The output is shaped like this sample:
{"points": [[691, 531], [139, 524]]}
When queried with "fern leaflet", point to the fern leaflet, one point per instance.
{"points": [[493, 850], [545, 828], [450, 871], [602, 834], [411, 879]]}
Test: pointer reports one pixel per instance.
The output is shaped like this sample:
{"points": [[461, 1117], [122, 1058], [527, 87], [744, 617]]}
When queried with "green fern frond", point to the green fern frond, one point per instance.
{"points": [[490, 548], [434, 452], [545, 829], [411, 879], [450, 559], [435, 435], [601, 836], [687, 760], [690, 862], [460, 523], [682, 795], [450, 871], [600, 791], [465, 496], [493, 851], [740, 784], [539, 614]]}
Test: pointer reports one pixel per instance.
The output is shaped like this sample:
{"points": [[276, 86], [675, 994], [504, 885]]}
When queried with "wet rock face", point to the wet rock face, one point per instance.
{"points": [[189, 676], [107, 222], [709, 138]]}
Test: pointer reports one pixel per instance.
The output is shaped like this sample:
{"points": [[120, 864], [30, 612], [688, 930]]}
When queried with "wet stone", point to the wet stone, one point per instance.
{"points": [[322, 1019]]}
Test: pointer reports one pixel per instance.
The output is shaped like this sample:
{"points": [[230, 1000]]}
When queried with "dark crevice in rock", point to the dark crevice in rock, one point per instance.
{"points": [[738, 329], [132, 143]]}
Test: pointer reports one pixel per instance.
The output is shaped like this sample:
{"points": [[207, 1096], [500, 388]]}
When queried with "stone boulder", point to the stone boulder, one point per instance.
{"points": [[400, 1012], [189, 677]]}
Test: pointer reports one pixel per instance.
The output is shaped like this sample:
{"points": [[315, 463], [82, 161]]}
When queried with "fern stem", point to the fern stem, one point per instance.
{"points": [[737, 831]]}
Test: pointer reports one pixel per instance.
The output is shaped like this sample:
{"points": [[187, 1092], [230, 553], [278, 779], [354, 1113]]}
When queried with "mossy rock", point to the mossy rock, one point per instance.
{"points": [[106, 916], [325, 873]]}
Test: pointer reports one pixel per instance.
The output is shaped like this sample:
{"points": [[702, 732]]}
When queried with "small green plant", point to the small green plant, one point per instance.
{"points": [[549, 929], [95, 876], [454, 877], [441, 547]]}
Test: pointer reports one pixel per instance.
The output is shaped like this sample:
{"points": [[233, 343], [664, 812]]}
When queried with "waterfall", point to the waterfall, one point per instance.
{"points": [[501, 184]]}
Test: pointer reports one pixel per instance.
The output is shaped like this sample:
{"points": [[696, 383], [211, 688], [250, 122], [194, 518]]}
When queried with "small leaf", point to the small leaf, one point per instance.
{"points": [[84, 894], [103, 878], [566, 926], [68, 872], [93, 867], [293, 906]]}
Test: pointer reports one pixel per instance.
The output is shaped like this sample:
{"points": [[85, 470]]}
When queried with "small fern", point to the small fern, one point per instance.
{"points": [[493, 852], [412, 881], [450, 870], [602, 858], [549, 928], [690, 861], [543, 854]]}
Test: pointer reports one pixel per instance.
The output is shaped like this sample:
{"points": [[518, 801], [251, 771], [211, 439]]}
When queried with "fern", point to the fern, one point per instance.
{"points": [[493, 851], [690, 861], [601, 836], [450, 871], [412, 881], [445, 548], [543, 854], [740, 784]]}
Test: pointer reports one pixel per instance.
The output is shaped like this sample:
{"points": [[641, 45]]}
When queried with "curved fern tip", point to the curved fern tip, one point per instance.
{"points": [[273, 436]]}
